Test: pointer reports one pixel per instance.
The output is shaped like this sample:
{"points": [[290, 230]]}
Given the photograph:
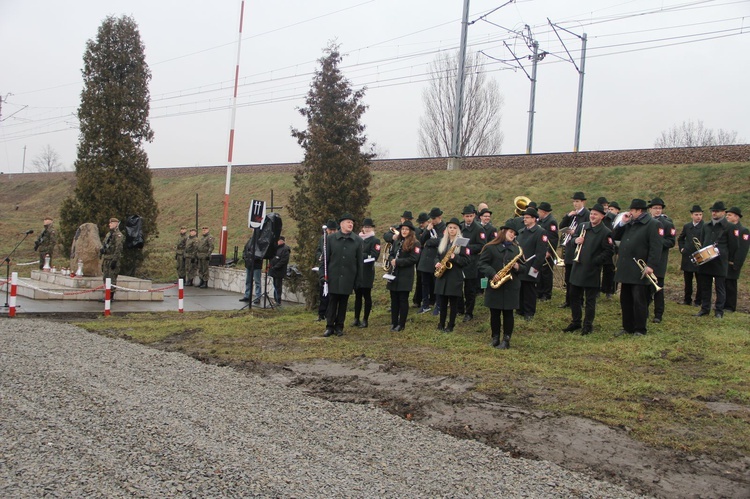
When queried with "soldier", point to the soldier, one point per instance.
{"points": [[371, 254], [716, 231], [691, 232], [450, 284], [668, 233], [549, 224], [471, 230], [534, 242], [179, 254], [596, 248], [575, 217], [45, 243], [112, 253], [203, 254], [430, 240], [191, 260], [742, 235], [639, 238], [342, 270]]}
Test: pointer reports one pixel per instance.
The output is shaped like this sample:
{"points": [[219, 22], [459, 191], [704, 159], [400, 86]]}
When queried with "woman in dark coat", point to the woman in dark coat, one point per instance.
{"points": [[371, 253], [504, 300], [404, 257], [450, 285]]}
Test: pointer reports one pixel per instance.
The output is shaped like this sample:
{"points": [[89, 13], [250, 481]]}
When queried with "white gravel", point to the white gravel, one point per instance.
{"points": [[83, 415]]}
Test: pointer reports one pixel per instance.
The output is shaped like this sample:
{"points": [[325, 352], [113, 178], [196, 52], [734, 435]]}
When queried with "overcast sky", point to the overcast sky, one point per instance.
{"points": [[650, 64]]}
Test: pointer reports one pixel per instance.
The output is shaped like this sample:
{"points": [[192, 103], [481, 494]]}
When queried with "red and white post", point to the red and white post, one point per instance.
{"points": [[13, 290], [180, 296], [107, 296]]}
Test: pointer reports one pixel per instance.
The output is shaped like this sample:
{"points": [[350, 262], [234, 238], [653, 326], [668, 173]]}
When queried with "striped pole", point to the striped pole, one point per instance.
{"points": [[225, 218], [12, 299], [107, 296], [180, 297]]}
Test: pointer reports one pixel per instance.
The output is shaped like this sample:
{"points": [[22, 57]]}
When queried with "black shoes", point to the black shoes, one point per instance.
{"points": [[244, 299], [320, 318], [339, 332], [424, 310], [362, 324], [495, 341], [468, 317], [702, 313], [329, 332], [356, 323], [528, 318], [564, 305], [571, 327], [204, 284], [505, 344], [396, 329], [448, 329], [656, 320], [621, 332], [719, 315], [586, 330]]}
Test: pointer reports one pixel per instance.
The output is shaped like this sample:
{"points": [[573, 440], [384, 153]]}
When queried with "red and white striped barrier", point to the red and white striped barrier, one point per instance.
{"points": [[12, 299], [107, 296], [180, 296]]}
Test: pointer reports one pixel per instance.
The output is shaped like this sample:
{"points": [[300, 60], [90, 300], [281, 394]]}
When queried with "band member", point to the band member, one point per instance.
{"points": [[603, 202], [450, 284], [404, 257], [496, 255], [578, 215], [392, 233], [742, 235], [429, 240], [471, 230], [608, 269], [422, 220], [595, 248], [691, 232], [331, 228], [640, 242], [534, 242], [485, 220], [371, 253], [45, 243], [668, 233], [716, 231], [342, 271], [549, 224]]}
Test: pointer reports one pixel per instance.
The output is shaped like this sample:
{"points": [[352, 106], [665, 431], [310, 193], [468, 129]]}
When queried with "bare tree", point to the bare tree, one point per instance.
{"points": [[480, 129], [47, 161], [695, 134]]}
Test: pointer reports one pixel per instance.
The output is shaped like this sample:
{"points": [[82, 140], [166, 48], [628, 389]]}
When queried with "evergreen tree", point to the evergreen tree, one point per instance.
{"points": [[334, 176], [112, 174]]}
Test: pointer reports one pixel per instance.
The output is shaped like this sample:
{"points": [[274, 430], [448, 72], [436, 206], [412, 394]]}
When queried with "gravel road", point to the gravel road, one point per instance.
{"points": [[83, 415]]}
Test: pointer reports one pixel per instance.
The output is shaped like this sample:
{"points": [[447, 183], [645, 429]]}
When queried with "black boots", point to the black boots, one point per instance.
{"points": [[496, 340], [505, 344], [203, 284]]}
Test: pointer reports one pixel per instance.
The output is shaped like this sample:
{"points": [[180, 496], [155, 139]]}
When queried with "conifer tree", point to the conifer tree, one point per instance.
{"points": [[112, 174], [334, 176]]}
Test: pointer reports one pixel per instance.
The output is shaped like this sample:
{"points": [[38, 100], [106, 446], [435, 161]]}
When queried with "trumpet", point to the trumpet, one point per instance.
{"points": [[578, 248], [572, 229], [618, 218], [503, 275], [642, 265]]}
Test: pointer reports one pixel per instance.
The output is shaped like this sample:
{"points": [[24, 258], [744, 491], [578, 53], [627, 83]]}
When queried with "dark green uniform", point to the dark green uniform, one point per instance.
{"points": [[45, 244], [191, 259], [203, 254], [179, 255], [112, 254]]}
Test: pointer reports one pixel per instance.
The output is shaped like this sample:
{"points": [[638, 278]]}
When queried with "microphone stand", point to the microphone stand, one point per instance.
{"points": [[6, 261]]}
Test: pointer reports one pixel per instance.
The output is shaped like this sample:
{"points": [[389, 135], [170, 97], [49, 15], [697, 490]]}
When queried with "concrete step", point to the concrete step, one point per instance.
{"points": [[49, 286]]}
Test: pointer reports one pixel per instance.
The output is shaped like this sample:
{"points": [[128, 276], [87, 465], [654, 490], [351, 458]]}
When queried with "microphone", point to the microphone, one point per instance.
{"points": [[30, 231]]}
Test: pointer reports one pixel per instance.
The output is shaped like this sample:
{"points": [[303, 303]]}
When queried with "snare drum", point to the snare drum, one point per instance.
{"points": [[704, 255]]}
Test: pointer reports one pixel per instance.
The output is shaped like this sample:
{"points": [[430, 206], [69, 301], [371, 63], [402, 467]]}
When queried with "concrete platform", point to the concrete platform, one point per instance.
{"points": [[48, 286]]}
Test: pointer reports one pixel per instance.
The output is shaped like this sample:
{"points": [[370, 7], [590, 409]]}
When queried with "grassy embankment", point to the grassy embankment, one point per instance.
{"points": [[664, 387]]}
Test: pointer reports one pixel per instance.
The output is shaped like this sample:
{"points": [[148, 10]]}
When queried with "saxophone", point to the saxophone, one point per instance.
{"points": [[445, 263], [503, 275]]}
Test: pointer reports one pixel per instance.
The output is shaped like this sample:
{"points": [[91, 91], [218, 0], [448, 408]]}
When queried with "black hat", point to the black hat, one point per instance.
{"points": [[532, 212], [282, 238], [657, 202], [435, 212], [579, 195], [638, 204], [407, 215], [735, 210], [469, 209], [599, 208], [602, 200], [508, 225], [423, 217], [367, 222], [346, 216], [407, 223], [332, 225], [453, 221], [719, 206], [696, 208], [614, 204], [532, 204], [484, 210], [544, 205]]}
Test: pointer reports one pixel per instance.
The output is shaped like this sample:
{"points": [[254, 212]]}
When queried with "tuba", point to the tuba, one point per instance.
{"points": [[520, 203]]}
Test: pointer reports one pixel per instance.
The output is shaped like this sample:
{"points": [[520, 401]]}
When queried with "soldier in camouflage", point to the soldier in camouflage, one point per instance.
{"points": [[112, 252], [191, 261], [45, 243], [205, 248], [179, 255]]}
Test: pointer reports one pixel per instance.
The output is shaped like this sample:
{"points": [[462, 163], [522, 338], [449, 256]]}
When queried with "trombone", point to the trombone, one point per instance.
{"points": [[642, 265], [556, 260]]}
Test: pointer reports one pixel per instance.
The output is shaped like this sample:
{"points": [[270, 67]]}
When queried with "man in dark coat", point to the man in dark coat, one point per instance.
{"points": [[423, 220], [342, 272], [597, 248], [371, 254], [716, 231], [608, 269], [533, 241], [668, 233], [578, 215], [430, 240], [742, 236], [640, 241], [278, 266], [549, 224], [471, 230], [691, 232], [330, 228]]}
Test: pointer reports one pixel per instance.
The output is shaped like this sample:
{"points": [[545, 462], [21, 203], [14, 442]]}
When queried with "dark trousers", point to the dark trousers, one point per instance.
{"points": [[608, 279], [688, 277], [428, 288], [417, 298], [634, 307], [501, 319], [657, 297], [399, 308], [546, 281], [706, 282], [452, 302], [731, 291], [577, 294], [322, 302], [277, 287], [362, 295], [336, 313], [528, 298], [568, 270], [471, 285]]}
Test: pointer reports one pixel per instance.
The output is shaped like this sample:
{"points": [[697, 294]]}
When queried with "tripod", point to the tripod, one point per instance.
{"points": [[268, 302], [6, 261]]}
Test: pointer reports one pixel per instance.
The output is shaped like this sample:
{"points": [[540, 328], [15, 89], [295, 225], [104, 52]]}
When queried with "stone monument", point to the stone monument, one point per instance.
{"points": [[86, 246]]}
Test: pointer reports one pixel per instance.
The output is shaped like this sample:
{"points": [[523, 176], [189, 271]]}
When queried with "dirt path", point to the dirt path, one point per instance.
{"points": [[453, 406]]}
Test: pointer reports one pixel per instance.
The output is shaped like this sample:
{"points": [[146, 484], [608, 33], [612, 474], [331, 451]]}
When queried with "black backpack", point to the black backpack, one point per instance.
{"points": [[134, 232]]}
